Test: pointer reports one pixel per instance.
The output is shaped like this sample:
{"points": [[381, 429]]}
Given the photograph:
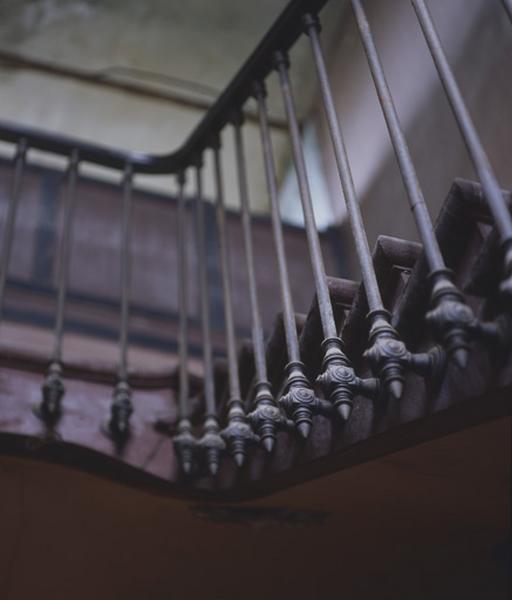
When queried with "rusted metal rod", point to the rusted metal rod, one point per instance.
{"points": [[292, 341], [65, 254], [315, 251], [492, 192], [338, 379], [211, 443], [238, 433], [257, 326], [449, 317], [371, 286], [121, 407], [266, 417], [53, 387], [299, 399], [184, 442], [182, 296]]}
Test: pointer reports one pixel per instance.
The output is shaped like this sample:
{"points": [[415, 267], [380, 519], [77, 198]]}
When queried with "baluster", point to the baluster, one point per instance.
{"points": [[184, 442], [10, 222], [491, 188], [53, 386], [211, 443], [299, 400], [338, 379], [121, 407], [450, 318], [266, 417], [238, 433]]}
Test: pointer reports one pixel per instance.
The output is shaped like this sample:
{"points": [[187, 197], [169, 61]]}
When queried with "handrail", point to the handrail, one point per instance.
{"points": [[281, 36]]}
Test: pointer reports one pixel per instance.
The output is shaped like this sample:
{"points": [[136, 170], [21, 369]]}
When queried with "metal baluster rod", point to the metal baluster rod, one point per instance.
{"points": [[238, 433], [184, 442], [450, 317], [371, 286], [266, 417], [290, 329], [324, 301], [211, 443], [53, 386], [299, 399], [121, 407], [10, 222], [387, 351], [491, 188], [338, 379]]}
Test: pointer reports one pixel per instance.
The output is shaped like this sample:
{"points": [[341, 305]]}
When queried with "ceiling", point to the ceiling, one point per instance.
{"points": [[428, 522]]}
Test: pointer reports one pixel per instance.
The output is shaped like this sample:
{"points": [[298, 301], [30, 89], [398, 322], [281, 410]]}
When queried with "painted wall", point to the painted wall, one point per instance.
{"points": [[477, 36], [202, 42]]}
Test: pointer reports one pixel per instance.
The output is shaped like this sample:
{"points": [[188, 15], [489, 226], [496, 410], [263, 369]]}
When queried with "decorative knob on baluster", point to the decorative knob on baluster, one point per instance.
{"points": [[53, 391], [121, 411], [299, 401], [339, 381], [238, 433], [266, 418], [211, 445], [185, 445], [450, 318], [387, 354]]}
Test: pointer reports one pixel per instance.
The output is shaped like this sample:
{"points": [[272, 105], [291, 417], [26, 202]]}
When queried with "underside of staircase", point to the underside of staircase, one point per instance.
{"points": [[452, 400]]}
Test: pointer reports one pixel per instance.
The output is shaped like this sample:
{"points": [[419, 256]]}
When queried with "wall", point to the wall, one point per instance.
{"points": [[477, 36], [92, 308], [202, 43]]}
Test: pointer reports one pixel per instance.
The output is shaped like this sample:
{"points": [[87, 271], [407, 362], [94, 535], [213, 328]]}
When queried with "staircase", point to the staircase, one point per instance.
{"points": [[417, 350]]}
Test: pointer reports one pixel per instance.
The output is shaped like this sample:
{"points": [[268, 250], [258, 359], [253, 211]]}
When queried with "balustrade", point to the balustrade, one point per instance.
{"points": [[292, 400]]}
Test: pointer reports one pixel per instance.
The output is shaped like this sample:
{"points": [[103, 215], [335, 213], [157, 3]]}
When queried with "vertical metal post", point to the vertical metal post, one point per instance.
{"points": [[322, 291], [238, 433], [450, 317], [299, 399], [491, 188], [381, 332], [338, 378], [211, 443], [121, 407], [53, 386], [266, 417], [184, 442], [371, 286], [10, 222], [182, 296]]}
